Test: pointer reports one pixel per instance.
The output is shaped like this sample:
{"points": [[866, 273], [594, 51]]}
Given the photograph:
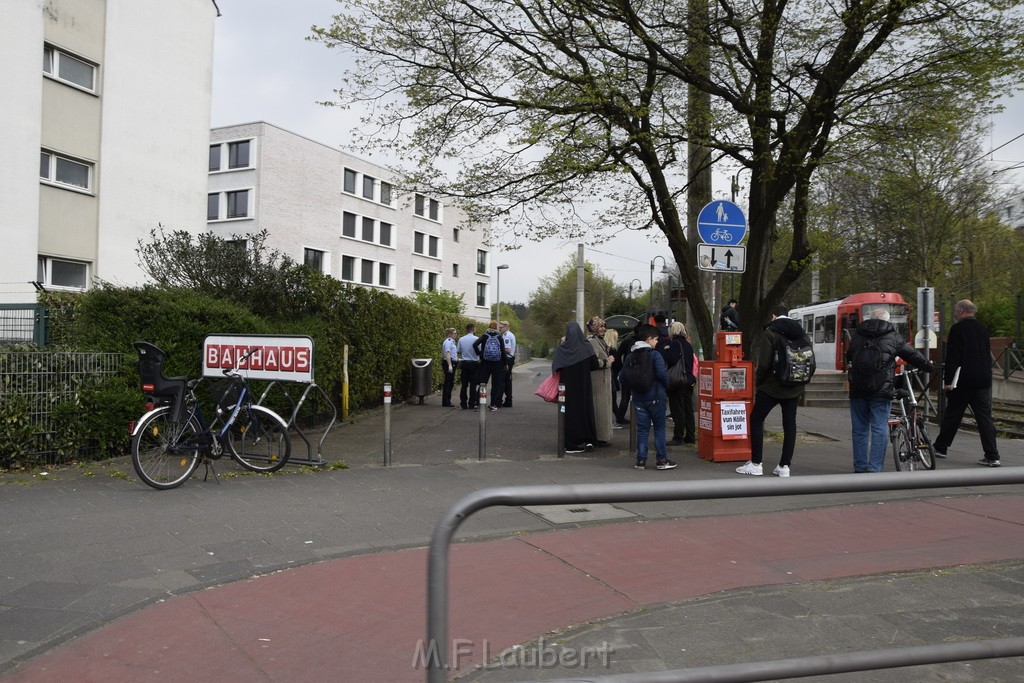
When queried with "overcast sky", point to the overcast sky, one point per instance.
{"points": [[265, 70]]}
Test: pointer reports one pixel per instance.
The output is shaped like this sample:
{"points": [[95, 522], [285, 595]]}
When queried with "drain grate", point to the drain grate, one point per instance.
{"points": [[572, 514]]}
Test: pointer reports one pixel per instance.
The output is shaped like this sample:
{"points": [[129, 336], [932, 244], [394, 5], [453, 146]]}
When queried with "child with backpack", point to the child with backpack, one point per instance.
{"points": [[645, 374]]}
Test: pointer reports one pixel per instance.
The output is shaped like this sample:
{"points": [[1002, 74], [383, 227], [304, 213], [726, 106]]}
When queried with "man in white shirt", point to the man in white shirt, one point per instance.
{"points": [[510, 359], [449, 358]]}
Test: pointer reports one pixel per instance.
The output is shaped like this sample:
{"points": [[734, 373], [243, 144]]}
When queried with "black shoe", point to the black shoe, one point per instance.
{"points": [[575, 449], [640, 465], [676, 441], [589, 447], [990, 462], [940, 452], [507, 405], [665, 465]]}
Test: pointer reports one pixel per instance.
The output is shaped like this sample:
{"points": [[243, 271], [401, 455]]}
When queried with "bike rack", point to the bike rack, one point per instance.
{"points": [[318, 461], [440, 542]]}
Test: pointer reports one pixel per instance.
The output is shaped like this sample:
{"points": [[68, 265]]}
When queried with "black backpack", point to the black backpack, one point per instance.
{"points": [[794, 360], [867, 367], [638, 371]]}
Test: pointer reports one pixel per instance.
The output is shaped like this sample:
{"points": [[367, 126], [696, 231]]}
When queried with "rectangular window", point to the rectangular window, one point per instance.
{"points": [[314, 258], [65, 171], [368, 229], [417, 280], [481, 294], [432, 282], [238, 204], [455, 270], [64, 67], [348, 224], [481, 262], [350, 181], [418, 209], [214, 157], [348, 268], [385, 193], [435, 209], [368, 187], [417, 242], [385, 275], [238, 154], [54, 272], [213, 206], [367, 272], [455, 234], [433, 248], [385, 234]]}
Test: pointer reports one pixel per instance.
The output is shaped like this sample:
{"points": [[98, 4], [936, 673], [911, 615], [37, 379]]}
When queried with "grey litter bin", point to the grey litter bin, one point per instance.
{"points": [[421, 376]]}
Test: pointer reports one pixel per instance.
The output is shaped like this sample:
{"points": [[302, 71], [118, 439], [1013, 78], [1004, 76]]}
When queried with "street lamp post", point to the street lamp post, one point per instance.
{"points": [[664, 265], [957, 261], [639, 287], [497, 292]]}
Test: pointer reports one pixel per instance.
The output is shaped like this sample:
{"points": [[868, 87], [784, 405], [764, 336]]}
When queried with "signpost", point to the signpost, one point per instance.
{"points": [[730, 259], [721, 223]]}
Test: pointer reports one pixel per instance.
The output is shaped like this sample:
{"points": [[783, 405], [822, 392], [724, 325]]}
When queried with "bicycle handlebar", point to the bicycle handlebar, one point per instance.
{"points": [[233, 371]]}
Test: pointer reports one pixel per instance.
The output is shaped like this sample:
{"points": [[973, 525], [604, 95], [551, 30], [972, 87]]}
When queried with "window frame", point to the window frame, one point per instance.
{"points": [[52, 57], [346, 187], [385, 193], [348, 263], [229, 195], [481, 294], [371, 180], [52, 163], [224, 157], [481, 262], [322, 259], [383, 232], [44, 271], [233, 146]]}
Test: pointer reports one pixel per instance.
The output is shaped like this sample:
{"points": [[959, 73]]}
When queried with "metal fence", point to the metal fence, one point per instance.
{"points": [[36, 382], [444, 532], [23, 324]]}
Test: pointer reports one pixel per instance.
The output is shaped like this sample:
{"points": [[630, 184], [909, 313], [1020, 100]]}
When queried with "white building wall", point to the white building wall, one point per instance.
{"points": [[298, 197], [21, 40], [156, 122]]}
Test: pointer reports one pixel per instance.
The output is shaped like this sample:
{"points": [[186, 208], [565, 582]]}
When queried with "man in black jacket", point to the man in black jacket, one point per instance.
{"points": [[967, 380], [871, 359]]}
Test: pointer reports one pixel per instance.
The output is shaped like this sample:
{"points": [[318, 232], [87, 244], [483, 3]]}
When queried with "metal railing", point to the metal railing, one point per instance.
{"points": [[24, 324], [438, 563], [1009, 361]]}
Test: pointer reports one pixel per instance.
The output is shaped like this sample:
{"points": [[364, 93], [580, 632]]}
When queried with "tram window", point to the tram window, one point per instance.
{"points": [[830, 329], [809, 324], [819, 330], [853, 319]]}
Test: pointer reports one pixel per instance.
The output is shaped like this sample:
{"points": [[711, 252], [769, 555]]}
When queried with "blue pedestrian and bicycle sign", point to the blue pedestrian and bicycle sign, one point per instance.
{"points": [[722, 223]]}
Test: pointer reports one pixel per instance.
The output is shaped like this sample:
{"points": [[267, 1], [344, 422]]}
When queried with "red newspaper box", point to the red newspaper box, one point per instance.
{"points": [[725, 391]]}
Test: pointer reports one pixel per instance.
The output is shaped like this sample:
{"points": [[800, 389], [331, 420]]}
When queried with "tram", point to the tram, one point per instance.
{"points": [[829, 324]]}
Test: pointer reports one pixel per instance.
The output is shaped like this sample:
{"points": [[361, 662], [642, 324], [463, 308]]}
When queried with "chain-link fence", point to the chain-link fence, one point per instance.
{"points": [[37, 386]]}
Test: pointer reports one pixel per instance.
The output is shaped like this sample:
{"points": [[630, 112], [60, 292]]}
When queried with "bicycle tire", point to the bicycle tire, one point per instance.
{"points": [[154, 457], [258, 439], [925, 450], [903, 456]]}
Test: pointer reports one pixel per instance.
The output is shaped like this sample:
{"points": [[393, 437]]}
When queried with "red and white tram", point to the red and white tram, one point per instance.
{"points": [[830, 323]]}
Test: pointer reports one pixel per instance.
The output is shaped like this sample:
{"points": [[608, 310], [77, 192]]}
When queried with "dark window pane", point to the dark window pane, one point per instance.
{"points": [[75, 71], [238, 204], [433, 246], [368, 229], [417, 280], [367, 267], [314, 258], [212, 207], [420, 199], [385, 275], [455, 234], [432, 281], [348, 268], [67, 274], [368, 187], [348, 224], [434, 209], [72, 173], [385, 193], [44, 165], [238, 154], [417, 245], [214, 157], [385, 233], [350, 181]]}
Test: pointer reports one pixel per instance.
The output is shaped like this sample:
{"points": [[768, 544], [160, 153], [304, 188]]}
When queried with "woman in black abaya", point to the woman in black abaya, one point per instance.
{"points": [[575, 358]]}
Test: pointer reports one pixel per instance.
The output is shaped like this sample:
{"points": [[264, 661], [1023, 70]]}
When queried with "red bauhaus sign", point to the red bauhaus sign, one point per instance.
{"points": [[271, 357]]}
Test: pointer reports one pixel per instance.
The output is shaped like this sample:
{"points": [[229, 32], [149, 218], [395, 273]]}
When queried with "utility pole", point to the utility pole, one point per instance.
{"points": [[579, 286]]}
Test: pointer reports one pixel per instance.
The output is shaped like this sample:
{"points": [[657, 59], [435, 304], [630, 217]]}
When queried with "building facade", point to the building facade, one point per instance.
{"points": [[116, 119], [345, 216]]}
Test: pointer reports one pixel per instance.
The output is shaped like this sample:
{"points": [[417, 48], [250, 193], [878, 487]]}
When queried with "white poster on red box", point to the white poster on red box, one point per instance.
{"points": [[262, 357], [733, 419]]}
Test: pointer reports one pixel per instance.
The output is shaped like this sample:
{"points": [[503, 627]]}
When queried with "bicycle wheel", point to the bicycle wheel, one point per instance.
{"points": [[165, 453], [259, 439], [925, 449], [903, 454]]}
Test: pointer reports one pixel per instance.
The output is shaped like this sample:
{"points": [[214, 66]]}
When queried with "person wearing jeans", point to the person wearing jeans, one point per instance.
{"points": [[649, 402]]}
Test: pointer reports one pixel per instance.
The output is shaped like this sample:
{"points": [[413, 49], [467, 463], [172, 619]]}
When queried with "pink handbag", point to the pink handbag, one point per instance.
{"points": [[548, 389]]}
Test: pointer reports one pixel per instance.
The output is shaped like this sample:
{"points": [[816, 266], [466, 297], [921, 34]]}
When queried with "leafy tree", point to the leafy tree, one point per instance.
{"points": [[442, 300], [546, 104], [553, 303]]}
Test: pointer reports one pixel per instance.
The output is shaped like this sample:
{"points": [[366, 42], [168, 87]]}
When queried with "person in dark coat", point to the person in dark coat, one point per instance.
{"points": [[967, 381], [575, 359], [771, 392], [680, 399], [870, 407]]}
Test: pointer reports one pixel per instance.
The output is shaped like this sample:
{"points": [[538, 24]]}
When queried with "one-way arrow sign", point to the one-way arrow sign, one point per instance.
{"points": [[729, 259]]}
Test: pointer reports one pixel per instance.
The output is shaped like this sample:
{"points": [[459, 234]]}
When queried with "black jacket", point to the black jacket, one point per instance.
{"points": [[766, 379], [890, 345], [970, 349]]}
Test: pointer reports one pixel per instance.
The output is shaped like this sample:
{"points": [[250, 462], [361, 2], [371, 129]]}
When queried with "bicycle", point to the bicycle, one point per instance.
{"points": [[911, 446], [172, 438]]}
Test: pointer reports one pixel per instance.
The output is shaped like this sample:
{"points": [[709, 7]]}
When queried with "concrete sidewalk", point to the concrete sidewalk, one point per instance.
{"points": [[139, 584]]}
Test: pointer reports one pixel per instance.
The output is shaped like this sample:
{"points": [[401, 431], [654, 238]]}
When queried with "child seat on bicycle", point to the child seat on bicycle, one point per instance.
{"points": [[156, 384]]}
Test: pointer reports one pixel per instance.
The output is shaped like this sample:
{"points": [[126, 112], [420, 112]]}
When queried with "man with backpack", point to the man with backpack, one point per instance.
{"points": [[779, 383], [871, 360], [645, 374], [491, 348]]}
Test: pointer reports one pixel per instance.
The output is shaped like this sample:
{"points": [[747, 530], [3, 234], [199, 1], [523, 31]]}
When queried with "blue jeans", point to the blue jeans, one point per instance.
{"points": [[870, 416], [648, 413]]}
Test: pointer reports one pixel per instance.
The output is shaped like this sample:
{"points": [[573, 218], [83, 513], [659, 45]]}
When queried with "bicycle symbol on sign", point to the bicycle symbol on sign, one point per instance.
{"points": [[721, 235]]}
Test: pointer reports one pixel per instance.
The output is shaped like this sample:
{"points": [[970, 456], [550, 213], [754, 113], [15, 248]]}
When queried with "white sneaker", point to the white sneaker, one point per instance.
{"points": [[750, 468], [781, 471]]}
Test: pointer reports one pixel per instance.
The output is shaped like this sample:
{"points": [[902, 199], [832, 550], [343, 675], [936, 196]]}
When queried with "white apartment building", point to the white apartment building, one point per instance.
{"points": [[345, 216], [109, 100]]}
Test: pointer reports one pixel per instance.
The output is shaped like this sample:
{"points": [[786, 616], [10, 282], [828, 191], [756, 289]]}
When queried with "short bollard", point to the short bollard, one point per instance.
{"points": [[560, 446], [482, 407], [387, 425]]}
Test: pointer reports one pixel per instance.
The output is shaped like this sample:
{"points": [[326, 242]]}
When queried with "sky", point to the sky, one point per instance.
{"points": [[265, 70]]}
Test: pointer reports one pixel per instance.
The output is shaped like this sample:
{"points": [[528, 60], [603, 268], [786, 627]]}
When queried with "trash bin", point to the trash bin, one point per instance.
{"points": [[421, 377]]}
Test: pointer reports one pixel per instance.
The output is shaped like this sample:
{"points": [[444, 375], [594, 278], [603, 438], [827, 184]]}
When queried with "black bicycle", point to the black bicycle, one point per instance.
{"points": [[911, 446], [171, 439]]}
